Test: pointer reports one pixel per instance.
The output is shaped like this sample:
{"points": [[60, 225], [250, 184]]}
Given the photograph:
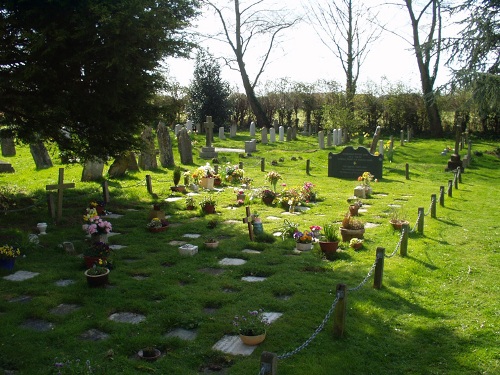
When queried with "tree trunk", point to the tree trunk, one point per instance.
{"points": [[258, 111]]}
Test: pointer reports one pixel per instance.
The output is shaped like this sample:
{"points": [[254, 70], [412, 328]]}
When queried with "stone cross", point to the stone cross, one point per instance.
{"points": [[209, 125], [248, 220], [60, 188]]}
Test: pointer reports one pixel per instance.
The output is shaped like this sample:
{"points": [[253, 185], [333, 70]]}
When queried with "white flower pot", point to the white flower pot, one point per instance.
{"points": [[42, 227]]}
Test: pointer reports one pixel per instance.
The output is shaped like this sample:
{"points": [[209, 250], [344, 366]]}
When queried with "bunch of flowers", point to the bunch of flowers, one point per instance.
{"points": [[355, 243], [98, 206], [240, 202], [157, 223], [9, 252], [290, 197], [253, 324], [273, 177], [303, 237], [307, 192], [94, 223], [99, 268], [365, 178], [315, 228], [266, 193], [234, 174], [389, 150], [203, 171], [98, 250]]}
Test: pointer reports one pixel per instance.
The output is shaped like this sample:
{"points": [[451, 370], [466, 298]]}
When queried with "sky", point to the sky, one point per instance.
{"points": [[302, 57]]}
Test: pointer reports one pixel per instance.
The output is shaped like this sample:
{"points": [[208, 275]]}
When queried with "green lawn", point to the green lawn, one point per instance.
{"points": [[437, 312]]}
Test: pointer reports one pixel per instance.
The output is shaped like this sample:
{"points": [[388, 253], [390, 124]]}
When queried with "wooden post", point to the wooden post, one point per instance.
{"points": [[262, 164], [459, 173], [450, 188], [240, 165], [402, 138], [340, 311], [60, 188], [420, 226], [379, 268], [407, 171], [149, 186], [433, 206], [248, 219], [268, 363], [404, 242], [308, 165], [105, 192], [455, 179], [441, 196]]}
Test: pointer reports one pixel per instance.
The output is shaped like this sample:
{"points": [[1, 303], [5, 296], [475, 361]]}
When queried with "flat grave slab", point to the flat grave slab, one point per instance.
{"points": [[21, 276], [173, 199], [183, 334], [177, 243], [212, 271], [250, 251], [371, 225], [37, 325], [225, 149], [116, 247], [127, 317], [271, 317], [253, 279], [66, 282], [113, 216], [21, 299], [232, 262], [232, 345], [273, 218], [191, 235], [64, 309], [94, 335]]}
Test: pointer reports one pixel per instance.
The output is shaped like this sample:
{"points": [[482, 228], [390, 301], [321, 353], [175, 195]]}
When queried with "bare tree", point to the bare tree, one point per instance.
{"points": [[249, 25], [347, 29]]}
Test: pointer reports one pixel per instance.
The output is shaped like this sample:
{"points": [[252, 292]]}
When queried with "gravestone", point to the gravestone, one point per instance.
{"points": [[221, 133], [340, 140], [275, 124], [321, 140], [198, 128], [40, 155], [6, 167], [232, 130], [147, 157], [289, 134], [294, 132], [252, 129], [455, 161], [281, 131], [165, 145], [92, 170], [402, 137], [250, 146], [122, 164], [272, 135], [8, 147], [184, 146], [208, 152], [189, 125], [381, 147], [263, 135], [177, 128], [351, 163], [335, 137], [375, 139], [329, 138]]}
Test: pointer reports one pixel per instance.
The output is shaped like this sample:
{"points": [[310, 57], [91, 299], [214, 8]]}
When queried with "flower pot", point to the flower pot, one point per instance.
{"points": [[348, 234], [357, 246], [257, 227], [252, 340], [97, 237], [157, 230], [207, 182], [8, 264], [189, 208], [95, 281], [42, 227], [268, 200], [212, 245], [149, 356], [99, 210], [90, 261], [328, 247], [178, 188], [208, 209], [398, 224], [304, 246], [217, 182]]}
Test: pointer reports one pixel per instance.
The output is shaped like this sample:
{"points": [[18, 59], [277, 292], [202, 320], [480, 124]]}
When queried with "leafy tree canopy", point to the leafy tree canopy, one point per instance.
{"points": [[83, 73]]}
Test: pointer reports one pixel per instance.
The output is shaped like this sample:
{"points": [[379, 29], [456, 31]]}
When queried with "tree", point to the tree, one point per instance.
{"points": [[208, 93], [251, 27], [427, 53], [347, 29], [83, 73]]}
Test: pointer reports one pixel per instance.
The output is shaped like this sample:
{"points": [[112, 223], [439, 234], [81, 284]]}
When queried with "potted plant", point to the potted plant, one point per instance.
{"points": [[149, 353], [251, 327], [329, 242], [268, 196], [398, 218], [351, 228], [204, 176], [211, 242], [315, 229], [257, 226], [354, 208], [234, 174], [303, 240], [8, 255], [176, 179], [240, 194], [97, 275], [288, 229], [96, 227], [190, 203], [364, 189], [356, 243], [95, 252], [157, 225], [208, 204]]}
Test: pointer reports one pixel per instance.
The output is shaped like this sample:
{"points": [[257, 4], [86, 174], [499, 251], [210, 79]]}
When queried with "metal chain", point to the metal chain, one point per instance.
{"points": [[416, 223], [142, 183], [429, 210], [398, 245], [313, 336], [365, 279]]}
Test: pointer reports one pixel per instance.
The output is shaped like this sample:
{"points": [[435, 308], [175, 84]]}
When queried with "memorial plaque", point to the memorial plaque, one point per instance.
{"points": [[351, 163]]}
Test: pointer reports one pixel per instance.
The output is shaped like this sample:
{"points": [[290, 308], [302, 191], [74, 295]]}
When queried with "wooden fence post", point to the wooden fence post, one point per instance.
{"points": [[105, 192], [240, 165], [407, 171], [308, 165], [149, 186], [450, 188], [268, 363], [420, 220], [455, 179], [441, 196], [262, 164], [404, 242], [340, 311], [379, 267], [433, 206]]}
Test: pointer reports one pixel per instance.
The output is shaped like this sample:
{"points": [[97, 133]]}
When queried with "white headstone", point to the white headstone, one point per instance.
{"points": [[232, 130], [221, 132], [198, 128], [177, 128], [329, 138], [189, 125], [272, 135], [281, 131], [335, 137], [263, 135], [339, 136], [321, 140], [252, 129], [381, 147]]}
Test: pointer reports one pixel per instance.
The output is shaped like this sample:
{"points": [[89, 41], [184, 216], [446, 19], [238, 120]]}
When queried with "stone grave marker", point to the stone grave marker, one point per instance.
{"points": [[232, 130], [8, 147], [221, 133], [272, 135], [184, 146], [60, 188], [339, 135], [208, 152], [294, 132], [147, 157], [289, 134], [252, 129], [183, 334], [6, 167], [263, 135], [335, 137], [165, 145], [92, 170], [329, 138], [40, 155], [177, 128], [281, 132], [250, 146], [127, 317], [321, 140], [375, 139], [351, 163], [189, 125], [381, 147], [94, 335]]}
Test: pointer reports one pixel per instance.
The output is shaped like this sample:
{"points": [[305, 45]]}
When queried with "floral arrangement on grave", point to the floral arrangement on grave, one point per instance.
{"points": [[290, 198], [349, 222], [252, 324], [99, 268], [315, 229], [366, 178], [176, 176], [187, 177], [94, 223], [356, 243], [190, 203], [267, 193], [203, 171], [97, 250], [98, 206], [303, 237], [288, 229], [208, 200], [307, 192], [240, 194], [389, 151], [233, 174], [273, 177], [246, 182], [330, 233], [157, 223], [9, 252]]}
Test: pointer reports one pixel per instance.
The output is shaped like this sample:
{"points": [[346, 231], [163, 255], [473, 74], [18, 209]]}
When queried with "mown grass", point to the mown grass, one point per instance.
{"points": [[437, 312]]}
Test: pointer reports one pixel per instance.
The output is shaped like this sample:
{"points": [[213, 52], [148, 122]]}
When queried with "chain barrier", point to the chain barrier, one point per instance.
{"points": [[365, 279], [398, 244], [429, 210], [18, 209], [132, 186], [416, 223]]}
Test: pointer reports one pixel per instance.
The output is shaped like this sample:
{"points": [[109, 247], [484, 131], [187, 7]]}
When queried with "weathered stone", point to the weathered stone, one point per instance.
{"points": [[165, 146], [147, 158], [185, 147], [8, 147], [40, 155], [127, 317], [94, 335], [121, 164], [92, 170], [38, 325], [64, 309], [183, 334]]}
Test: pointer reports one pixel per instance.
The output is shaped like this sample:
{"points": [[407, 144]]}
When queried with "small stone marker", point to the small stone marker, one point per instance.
{"points": [[281, 132], [6, 167], [191, 235], [233, 345], [221, 133], [21, 276], [252, 129], [94, 335], [253, 279], [263, 135], [65, 282], [60, 188], [272, 135], [64, 309], [183, 334], [127, 317], [188, 249], [232, 262]]}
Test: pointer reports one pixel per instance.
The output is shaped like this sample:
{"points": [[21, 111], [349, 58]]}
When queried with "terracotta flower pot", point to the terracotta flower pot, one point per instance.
{"points": [[328, 247], [268, 200], [348, 234], [398, 224], [209, 209], [252, 340]]}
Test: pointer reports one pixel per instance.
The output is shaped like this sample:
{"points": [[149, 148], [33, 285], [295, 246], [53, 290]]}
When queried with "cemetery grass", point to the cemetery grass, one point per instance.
{"points": [[437, 312]]}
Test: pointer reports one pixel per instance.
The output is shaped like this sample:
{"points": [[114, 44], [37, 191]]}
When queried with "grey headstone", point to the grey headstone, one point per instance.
{"points": [[375, 139], [165, 145], [92, 170], [40, 155], [289, 134], [221, 133], [329, 138], [8, 147], [177, 128], [263, 135], [272, 135], [335, 137], [252, 129], [6, 167], [147, 157], [65, 282], [381, 147], [321, 140], [185, 148], [233, 130], [189, 125], [281, 131]]}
